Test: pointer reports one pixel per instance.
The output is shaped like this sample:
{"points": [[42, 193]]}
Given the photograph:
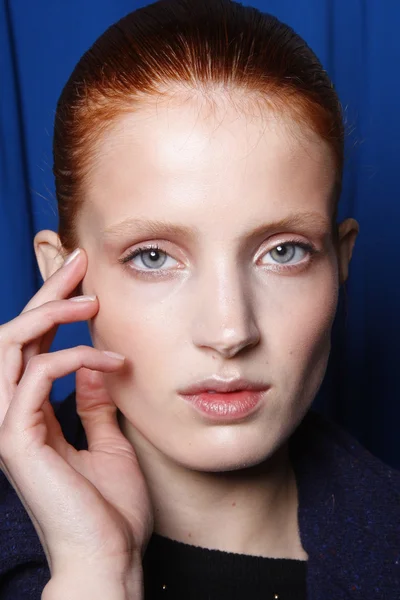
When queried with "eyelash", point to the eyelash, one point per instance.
{"points": [[139, 250], [159, 272]]}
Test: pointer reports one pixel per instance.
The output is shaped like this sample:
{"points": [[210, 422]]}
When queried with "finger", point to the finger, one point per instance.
{"points": [[62, 282], [55, 436], [60, 285], [40, 373], [10, 373], [25, 328], [29, 326], [98, 412], [40, 346]]}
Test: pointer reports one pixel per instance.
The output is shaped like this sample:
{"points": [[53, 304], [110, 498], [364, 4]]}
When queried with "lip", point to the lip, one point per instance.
{"points": [[232, 400], [217, 384], [226, 406]]}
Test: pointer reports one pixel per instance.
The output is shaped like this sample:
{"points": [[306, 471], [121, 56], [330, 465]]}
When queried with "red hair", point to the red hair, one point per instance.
{"points": [[201, 45]]}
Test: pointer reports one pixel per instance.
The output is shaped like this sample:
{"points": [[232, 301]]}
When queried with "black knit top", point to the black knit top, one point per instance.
{"points": [[175, 570]]}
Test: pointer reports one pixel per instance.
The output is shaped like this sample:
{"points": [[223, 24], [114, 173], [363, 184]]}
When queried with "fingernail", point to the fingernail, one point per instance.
{"points": [[71, 257], [114, 355], [83, 298]]}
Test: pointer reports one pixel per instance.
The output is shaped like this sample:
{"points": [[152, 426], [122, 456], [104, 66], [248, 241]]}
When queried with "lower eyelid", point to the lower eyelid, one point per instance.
{"points": [[152, 274]]}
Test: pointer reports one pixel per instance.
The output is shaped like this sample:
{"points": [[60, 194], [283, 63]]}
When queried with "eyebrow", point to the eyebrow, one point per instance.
{"points": [[147, 227], [300, 221]]}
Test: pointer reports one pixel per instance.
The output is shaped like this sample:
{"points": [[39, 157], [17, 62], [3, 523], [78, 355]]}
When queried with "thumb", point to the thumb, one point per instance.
{"points": [[97, 411]]}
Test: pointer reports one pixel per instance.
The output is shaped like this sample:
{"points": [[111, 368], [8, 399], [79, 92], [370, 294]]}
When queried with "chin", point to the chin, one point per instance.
{"points": [[223, 459]]}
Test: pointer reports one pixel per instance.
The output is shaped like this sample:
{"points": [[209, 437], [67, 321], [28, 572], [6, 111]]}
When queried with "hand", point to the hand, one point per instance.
{"points": [[90, 508]]}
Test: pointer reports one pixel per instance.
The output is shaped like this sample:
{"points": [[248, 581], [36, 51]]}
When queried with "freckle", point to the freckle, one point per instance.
{"points": [[233, 503], [189, 534]]}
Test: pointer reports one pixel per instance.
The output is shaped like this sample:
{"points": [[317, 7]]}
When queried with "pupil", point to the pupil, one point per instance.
{"points": [[154, 255], [281, 250]]}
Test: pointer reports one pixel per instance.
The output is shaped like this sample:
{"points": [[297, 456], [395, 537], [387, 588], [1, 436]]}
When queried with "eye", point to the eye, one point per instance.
{"points": [[285, 253], [153, 258]]}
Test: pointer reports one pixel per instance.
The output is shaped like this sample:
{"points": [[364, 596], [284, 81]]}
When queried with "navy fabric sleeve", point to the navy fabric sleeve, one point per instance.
{"points": [[23, 565], [24, 582]]}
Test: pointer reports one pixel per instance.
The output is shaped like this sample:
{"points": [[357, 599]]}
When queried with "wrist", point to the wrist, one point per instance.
{"points": [[86, 585]]}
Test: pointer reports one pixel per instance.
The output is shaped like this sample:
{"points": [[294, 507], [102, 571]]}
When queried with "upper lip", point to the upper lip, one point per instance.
{"points": [[217, 384]]}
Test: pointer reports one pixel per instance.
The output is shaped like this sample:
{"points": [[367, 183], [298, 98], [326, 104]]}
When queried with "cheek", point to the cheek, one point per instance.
{"points": [[302, 320], [145, 331], [133, 315]]}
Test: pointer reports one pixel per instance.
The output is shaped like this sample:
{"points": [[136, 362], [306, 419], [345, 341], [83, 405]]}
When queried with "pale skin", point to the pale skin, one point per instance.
{"points": [[220, 304]]}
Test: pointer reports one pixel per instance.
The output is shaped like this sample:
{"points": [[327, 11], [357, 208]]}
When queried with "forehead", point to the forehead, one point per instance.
{"points": [[190, 151]]}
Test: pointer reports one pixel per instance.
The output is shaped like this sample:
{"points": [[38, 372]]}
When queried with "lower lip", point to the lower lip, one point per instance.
{"points": [[227, 405]]}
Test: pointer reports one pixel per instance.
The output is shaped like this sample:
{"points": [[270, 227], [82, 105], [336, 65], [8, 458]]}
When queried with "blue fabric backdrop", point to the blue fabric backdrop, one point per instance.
{"points": [[357, 41]]}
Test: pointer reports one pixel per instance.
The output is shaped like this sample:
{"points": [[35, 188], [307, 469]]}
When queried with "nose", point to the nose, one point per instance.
{"points": [[225, 321]]}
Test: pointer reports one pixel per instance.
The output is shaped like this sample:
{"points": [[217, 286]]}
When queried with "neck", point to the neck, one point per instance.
{"points": [[250, 511]]}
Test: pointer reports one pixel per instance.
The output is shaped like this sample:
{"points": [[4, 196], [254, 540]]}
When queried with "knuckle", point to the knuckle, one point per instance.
{"points": [[82, 349], [50, 314], [37, 363]]}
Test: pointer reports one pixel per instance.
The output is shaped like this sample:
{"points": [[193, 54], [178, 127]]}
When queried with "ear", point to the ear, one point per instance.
{"points": [[49, 252], [348, 231]]}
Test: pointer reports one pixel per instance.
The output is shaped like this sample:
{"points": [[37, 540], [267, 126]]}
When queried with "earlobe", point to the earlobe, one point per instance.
{"points": [[348, 231], [48, 251]]}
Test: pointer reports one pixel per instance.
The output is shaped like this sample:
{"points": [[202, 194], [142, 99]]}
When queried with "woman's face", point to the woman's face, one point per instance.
{"points": [[243, 281]]}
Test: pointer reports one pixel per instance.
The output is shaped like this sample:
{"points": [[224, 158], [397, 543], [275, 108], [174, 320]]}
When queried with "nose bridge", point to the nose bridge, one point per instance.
{"points": [[225, 319]]}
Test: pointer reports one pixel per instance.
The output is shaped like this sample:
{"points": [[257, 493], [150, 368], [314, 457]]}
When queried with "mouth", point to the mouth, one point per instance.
{"points": [[225, 400]]}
